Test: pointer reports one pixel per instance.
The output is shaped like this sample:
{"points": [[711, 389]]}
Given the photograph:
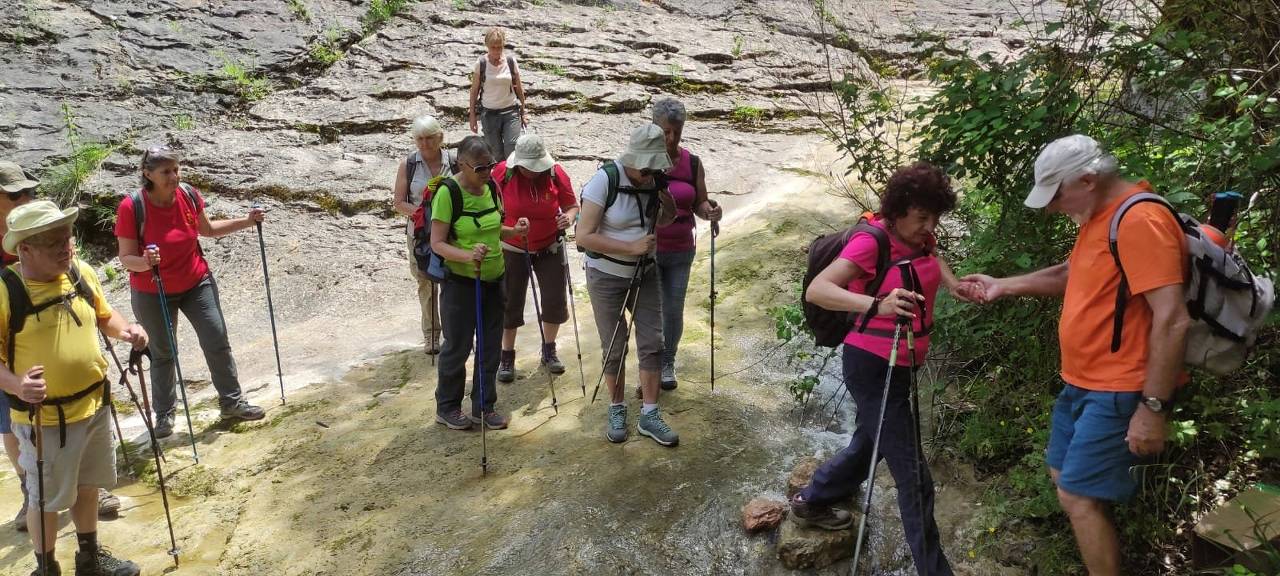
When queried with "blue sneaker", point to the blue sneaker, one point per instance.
{"points": [[617, 430], [651, 425]]}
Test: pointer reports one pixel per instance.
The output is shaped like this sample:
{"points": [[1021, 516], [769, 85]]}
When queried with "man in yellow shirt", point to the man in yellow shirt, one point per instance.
{"points": [[51, 309]]}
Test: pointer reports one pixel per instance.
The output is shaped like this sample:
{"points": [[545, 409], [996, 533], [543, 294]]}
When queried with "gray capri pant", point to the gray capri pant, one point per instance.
{"points": [[607, 293]]}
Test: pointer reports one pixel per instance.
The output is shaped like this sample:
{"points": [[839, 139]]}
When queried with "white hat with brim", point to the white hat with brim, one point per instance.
{"points": [[13, 179], [530, 153], [1061, 159], [647, 149], [33, 218]]}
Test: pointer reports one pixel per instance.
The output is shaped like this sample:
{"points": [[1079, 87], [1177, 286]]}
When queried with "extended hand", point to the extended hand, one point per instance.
{"points": [[136, 335], [984, 289], [899, 302], [257, 214]]}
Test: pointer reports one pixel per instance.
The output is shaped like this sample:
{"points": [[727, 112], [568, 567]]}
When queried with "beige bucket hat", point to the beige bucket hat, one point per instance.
{"points": [[33, 218], [647, 149]]}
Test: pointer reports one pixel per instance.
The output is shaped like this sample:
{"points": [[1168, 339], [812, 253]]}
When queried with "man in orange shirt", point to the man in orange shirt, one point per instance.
{"points": [[1114, 404]]}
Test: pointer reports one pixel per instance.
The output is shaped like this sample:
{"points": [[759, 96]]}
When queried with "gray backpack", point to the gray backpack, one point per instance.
{"points": [[1227, 303]]}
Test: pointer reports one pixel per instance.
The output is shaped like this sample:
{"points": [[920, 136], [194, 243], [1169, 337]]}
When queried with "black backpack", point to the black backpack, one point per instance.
{"points": [[428, 262], [140, 212], [20, 307]]}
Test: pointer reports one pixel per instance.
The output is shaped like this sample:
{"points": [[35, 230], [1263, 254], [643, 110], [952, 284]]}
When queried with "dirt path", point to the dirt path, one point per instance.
{"points": [[353, 477]]}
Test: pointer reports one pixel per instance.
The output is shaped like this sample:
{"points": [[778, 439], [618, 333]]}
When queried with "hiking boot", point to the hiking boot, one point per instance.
{"points": [[815, 516], [108, 503], [492, 420], [102, 563], [20, 521], [164, 425], [668, 380], [455, 420], [651, 425], [55, 569], [507, 366], [616, 432], [243, 411], [550, 360]]}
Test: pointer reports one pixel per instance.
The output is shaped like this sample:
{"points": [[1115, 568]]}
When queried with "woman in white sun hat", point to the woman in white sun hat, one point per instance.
{"points": [[621, 205], [534, 187]]}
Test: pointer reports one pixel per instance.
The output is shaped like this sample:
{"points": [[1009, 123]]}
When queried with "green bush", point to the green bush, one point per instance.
{"points": [[379, 12]]}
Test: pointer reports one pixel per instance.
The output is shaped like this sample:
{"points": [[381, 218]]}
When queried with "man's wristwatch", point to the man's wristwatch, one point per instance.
{"points": [[1157, 405]]}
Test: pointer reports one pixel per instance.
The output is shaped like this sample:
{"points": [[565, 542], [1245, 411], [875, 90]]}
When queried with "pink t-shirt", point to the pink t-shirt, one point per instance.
{"points": [[174, 230], [678, 236], [878, 337]]}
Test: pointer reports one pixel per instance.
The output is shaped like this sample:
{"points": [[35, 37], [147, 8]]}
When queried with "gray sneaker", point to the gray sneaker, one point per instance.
{"points": [[108, 503], [617, 430], [164, 425], [651, 425], [455, 420], [668, 376], [243, 411], [20, 521], [550, 360], [824, 517]]}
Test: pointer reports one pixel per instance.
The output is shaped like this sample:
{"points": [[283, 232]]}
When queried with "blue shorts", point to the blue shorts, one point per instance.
{"points": [[1087, 444], [6, 423]]}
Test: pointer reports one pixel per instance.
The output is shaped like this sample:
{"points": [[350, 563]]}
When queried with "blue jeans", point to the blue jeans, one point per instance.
{"points": [[673, 274], [203, 309], [1087, 443], [838, 478]]}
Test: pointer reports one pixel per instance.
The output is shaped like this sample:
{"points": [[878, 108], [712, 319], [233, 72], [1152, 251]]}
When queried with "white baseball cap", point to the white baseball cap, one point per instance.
{"points": [[1060, 160]]}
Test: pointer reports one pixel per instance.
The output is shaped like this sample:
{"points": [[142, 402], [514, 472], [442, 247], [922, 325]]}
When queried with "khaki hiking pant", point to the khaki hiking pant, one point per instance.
{"points": [[428, 300]]}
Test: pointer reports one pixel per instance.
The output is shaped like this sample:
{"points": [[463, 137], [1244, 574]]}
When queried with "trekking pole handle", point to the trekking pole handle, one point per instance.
{"points": [[715, 224], [904, 270]]}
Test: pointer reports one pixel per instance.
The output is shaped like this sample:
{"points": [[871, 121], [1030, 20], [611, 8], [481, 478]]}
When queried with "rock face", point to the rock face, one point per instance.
{"points": [[801, 474], [811, 548], [763, 514]]}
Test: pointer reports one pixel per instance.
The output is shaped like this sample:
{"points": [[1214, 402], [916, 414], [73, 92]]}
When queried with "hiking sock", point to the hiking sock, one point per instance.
{"points": [[617, 403], [647, 408], [88, 542]]}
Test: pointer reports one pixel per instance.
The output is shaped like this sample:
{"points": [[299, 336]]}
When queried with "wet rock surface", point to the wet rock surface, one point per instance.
{"points": [[806, 548], [763, 514]]}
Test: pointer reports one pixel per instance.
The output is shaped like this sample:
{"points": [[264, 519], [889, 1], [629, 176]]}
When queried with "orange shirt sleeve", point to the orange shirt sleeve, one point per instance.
{"points": [[1152, 248]]}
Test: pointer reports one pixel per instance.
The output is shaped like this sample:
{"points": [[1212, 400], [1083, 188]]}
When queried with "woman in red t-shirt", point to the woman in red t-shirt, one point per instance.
{"points": [[534, 187], [173, 219]]}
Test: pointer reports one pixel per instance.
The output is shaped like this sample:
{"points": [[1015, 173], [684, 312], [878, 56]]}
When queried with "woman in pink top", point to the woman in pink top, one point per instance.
{"points": [[913, 201], [687, 183], [173, 219]]}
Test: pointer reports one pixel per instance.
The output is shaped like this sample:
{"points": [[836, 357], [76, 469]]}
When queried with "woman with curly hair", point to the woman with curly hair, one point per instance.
{"points": [[913, 201]]}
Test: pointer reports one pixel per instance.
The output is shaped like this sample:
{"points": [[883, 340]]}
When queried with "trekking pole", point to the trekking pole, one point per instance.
{"points": [[135, 366], [124, 446], [634, 286], [912, 282], [537, 309], [271, 309], [431, 339], [875, 445], [171, 329], [484, 446], [715, 231], [573, 310], [124, 381], [39, 441]]}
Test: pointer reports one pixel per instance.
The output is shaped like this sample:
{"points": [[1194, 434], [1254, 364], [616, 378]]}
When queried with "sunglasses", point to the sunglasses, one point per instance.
{"points": [[646, 172], [16, 196], [482, 168]]}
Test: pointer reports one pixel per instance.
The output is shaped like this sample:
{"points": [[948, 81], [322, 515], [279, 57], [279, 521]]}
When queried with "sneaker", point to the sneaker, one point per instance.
{"points": [[243, 411], [102, 563], [492, 421], [824, 517], [507, 367], [455, 420], [20, 521], [617, 430], [668, 376], [651, 425], [108, 503], [164, 425], [550, 360]]}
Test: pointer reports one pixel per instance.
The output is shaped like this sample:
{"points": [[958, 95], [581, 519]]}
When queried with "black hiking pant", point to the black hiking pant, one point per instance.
{"points": [[458, 315], [838, 478]]}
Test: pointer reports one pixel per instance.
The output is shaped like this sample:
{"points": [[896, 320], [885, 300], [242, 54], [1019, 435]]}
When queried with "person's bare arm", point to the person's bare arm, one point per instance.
{"points": [[1168, 346], [400, 194], [590, 238], [1050, 281], [829, 291], [219, 228], [117, 327], [474, 98]]}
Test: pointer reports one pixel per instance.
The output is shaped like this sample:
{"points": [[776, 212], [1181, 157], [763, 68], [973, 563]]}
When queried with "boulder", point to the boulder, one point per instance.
{"points": [[763, 514], [813, 548], [801, 474]]}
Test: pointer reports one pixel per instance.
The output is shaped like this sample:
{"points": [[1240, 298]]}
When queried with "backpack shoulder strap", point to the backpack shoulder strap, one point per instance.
{"points": [[1113, 230], [81, 286], [611, 171], [19, 308], [139, 214], [409, 168], [455, 201], [695, 164], [496, 194], [191, 194]]}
